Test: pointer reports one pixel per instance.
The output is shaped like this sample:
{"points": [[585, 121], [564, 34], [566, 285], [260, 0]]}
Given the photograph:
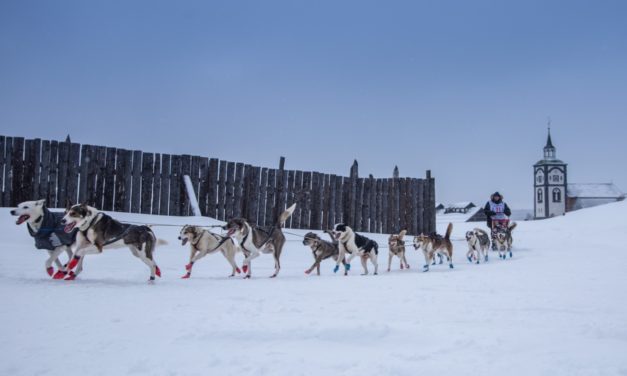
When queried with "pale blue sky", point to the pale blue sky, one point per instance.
{"points": [[459, 87]]}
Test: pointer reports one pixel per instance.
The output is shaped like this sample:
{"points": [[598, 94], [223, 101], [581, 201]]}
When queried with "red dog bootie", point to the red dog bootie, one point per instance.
{"points": [[60, 274]]}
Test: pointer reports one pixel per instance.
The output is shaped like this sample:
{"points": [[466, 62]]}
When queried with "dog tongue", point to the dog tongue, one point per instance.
{"points": [[68, 228], [184, 241], [21, 219]]}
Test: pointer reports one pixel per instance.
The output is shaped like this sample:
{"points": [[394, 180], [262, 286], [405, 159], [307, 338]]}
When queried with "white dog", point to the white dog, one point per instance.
{"points": [[46, 228]]}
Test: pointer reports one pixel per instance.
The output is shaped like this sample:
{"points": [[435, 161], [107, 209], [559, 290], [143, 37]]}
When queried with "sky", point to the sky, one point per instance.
{"points": [[461, 88]]}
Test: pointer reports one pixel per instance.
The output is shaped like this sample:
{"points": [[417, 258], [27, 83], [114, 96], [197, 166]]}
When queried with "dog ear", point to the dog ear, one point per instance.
{"points": [[402, 234], [41, 202]]}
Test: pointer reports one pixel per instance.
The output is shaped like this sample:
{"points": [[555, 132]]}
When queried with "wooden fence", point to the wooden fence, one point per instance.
{"points": [[138, 182]]}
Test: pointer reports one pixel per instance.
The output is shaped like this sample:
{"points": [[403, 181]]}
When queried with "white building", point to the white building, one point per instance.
{"points": [[550, 181], [582, 196]]}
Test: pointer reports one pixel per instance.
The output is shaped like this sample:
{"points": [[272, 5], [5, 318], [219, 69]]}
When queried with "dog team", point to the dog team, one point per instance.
{"points": [[83, 230]]}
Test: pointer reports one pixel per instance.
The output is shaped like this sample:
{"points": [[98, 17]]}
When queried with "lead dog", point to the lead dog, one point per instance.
{"points": [[357, 245], [321, 250], [203, 242], [435, 244], [396, 246], [255, 240], [45, 227], [478, 244], [99, 230], [504, 239]]}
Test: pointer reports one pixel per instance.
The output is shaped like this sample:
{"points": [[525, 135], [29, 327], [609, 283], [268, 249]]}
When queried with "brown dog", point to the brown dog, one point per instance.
{"points": [[256, 240], [396, 246], [321, 250], [435, 244]]}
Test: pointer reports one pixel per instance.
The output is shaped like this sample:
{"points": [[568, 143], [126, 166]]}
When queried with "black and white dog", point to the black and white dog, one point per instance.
{"points": [[99, 230], [46, 228], [478, 244], [356, 245], [504, 239]]}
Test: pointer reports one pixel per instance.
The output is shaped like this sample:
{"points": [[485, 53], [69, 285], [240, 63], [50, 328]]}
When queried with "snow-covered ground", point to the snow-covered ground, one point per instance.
{"points": [[558, 307]]}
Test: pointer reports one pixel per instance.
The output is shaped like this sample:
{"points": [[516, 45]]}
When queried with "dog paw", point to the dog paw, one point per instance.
{"points": [[158, 271], [186, 276], [71, 277], [337, 267], [245, 268], [50, 271], [189, 266], [238, 270]]}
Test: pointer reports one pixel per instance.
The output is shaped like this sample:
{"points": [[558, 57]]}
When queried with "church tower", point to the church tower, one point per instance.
{"points": [[550, 180]]}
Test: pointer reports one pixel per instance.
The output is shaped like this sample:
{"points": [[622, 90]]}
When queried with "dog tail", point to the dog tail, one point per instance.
{"points": [[449, 229], [285, 215], [328, 232], [512, 226]]}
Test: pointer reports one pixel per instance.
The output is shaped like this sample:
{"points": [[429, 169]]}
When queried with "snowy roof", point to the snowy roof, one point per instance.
{"points": [[461, 205], [594, 190], [442, 217]]}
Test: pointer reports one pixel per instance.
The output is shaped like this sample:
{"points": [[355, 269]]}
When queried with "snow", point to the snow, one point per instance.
{"points": [[594, 190], [557, 308]]}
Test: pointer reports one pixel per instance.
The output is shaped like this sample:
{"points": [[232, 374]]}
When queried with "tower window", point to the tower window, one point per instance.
{"points": [[557, 195], [540, 198]]}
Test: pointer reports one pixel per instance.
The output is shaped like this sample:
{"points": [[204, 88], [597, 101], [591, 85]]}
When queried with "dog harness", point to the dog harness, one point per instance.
{"points": [[262, 244], [222, 240], [51, 234], [127, 227]]}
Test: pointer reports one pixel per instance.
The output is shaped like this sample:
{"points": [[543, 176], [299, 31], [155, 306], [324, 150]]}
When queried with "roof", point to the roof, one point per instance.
{"points": [[594, 190], [461, 205], [550, 162], [441, 217], [549, 143]]}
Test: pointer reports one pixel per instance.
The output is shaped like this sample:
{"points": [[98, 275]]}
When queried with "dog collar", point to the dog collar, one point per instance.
{"points": [[93, 221]]}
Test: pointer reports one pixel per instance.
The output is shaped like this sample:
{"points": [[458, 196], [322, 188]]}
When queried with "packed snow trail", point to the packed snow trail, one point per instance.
{"points": [[557, 308]]}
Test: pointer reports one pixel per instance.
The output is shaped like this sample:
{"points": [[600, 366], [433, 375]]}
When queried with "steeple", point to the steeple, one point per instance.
{"points": [[549, 149]]}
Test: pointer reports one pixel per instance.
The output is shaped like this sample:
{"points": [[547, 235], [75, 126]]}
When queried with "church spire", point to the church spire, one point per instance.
{"points": [[549, 149]]}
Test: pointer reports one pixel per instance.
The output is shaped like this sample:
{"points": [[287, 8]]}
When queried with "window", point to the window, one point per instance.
{"points": [[557, 195], [540, 196]]}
